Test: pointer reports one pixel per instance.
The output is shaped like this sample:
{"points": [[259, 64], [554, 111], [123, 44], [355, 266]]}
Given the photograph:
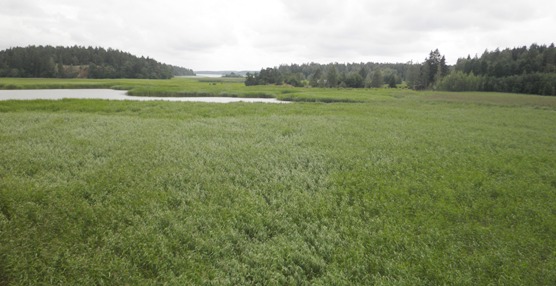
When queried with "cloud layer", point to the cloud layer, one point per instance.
{"points": [[249, 34]]}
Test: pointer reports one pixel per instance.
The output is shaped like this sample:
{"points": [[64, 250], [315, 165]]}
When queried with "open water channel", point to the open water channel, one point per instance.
{"points": [[110, 94]]}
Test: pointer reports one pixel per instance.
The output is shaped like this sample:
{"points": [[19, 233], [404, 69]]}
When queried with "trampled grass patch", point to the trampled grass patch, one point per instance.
{"points": [[397, 188]]}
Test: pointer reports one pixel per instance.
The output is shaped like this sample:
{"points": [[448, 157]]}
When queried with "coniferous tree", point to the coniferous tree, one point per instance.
{"points": [[521, 69], [434, 69], [67, 62]]}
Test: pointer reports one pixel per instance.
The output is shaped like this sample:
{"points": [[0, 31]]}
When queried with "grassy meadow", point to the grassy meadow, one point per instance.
{"points": [[344, 187], [192, 87]]}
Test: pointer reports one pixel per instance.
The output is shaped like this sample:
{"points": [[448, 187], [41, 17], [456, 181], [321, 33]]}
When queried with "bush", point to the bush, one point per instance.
{"points": [[459, 81]]}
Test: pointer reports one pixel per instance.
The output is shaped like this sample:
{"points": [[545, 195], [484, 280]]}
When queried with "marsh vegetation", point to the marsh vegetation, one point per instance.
{"points": [[387, 187]]}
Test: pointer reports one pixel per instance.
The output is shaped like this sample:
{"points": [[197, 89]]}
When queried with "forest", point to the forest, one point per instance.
{"points": [[82, 62], [519, 70], [355, 75]]}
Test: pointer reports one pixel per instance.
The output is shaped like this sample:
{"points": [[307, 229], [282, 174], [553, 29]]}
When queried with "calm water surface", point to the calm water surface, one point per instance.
{"points": [[110, 94]]}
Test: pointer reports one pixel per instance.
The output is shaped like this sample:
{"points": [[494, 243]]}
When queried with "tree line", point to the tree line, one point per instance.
{"points": [[355, 75], [82, 62], [519, 70]]}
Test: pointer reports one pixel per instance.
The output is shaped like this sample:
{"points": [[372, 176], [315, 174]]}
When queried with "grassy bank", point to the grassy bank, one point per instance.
{"points": [[393, 188], [176, 87], [202, 87]]}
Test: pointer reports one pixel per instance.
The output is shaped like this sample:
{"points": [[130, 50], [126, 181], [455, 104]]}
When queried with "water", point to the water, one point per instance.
{"points": [[208, 75], [110, 94]]}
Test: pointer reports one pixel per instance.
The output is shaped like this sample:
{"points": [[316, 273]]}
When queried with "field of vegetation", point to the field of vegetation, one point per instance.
{"points": [[347, 187]]}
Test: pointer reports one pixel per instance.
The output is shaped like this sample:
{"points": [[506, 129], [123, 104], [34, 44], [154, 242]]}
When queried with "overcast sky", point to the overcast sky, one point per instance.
{"points": [[251, 34]]}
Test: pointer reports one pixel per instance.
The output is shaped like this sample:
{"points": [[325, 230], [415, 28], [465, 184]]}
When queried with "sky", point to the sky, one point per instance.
{"points": [[251, 34]]}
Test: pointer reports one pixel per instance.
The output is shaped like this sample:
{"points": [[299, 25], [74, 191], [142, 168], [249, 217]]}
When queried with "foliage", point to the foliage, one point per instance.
{"points": [[354, 75], [459, 81], [429, 73], [376, 79], [534, 83], [233, 75], [520, 70], [509, 62], [81, 62]]}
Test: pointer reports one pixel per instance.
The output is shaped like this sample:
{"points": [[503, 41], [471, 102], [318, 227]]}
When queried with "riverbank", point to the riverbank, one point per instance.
{"points": [[110, 94]]}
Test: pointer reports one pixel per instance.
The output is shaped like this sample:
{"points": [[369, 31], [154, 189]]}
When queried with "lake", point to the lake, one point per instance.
{"points": [[110, 94]]}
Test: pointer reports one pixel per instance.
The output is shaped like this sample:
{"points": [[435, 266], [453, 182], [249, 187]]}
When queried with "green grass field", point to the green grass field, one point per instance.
{"points": [[391, 187], [204, 87]]}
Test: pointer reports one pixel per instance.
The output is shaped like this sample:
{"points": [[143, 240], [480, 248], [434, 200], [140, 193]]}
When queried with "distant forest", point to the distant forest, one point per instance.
{"points": [[519, 70], [356, 75], [82, 62]]}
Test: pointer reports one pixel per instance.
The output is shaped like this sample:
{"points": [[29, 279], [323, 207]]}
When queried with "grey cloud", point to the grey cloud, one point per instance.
{"points": [[22, 8], [253, 34]]}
